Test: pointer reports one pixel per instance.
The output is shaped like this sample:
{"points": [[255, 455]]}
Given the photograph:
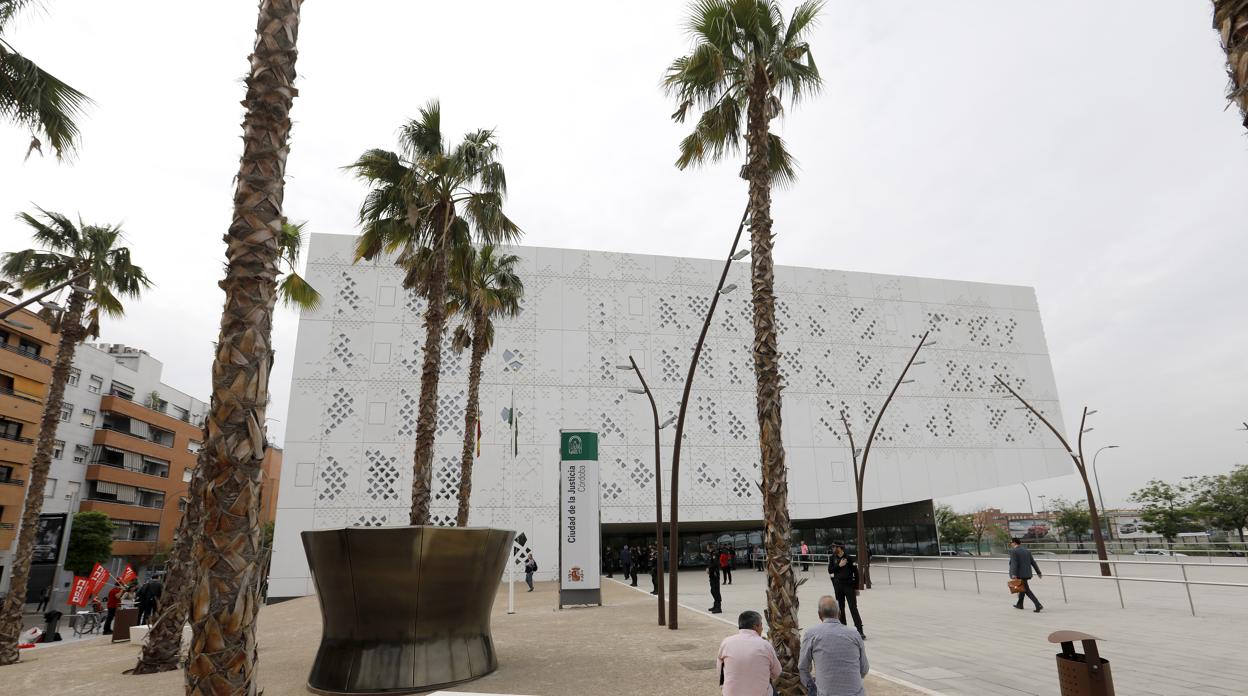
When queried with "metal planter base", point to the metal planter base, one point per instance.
{"points": [[404, 609]]}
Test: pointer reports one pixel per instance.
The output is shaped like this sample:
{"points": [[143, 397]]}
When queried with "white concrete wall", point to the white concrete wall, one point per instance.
{"points": [[844, 337]]}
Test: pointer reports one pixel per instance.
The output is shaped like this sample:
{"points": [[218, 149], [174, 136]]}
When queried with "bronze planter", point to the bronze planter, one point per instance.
{"points": [[404, 609]]}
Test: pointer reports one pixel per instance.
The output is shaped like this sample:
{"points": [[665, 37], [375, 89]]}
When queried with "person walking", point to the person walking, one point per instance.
{"points": [[837, 655], [626, 562], [756, 559], [608, 564], [638, 560], [112, 604], [747, 663], [148, 595], [725, 565], [844, 576], [712, 574], [1021, 564], [44, 596], [530, 567], [805, 557]]}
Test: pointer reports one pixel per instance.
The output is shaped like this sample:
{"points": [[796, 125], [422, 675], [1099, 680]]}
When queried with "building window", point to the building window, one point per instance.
{"points": [[29, 347], [49, 490], [124, 391], [80, 453], [194, 447], [58, 449], [181, 414], [74, 375], [186, 475], [6, 473], [181, 504], [67, 412], [10, 430], [88, 418], [95, 384]]}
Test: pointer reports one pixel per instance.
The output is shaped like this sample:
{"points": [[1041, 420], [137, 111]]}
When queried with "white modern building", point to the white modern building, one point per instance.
{"points": [[843, 336]]}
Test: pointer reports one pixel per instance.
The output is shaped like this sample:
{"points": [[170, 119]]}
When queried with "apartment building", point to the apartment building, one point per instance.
{"points": [[126, 446], [27, 347]]}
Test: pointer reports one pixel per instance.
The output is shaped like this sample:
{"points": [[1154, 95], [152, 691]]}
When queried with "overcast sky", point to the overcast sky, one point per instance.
{"points": [[1079, 147]]}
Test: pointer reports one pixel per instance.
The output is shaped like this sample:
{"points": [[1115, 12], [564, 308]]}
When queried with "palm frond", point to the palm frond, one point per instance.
{"points": [[421, 138], [781, 165], [297, 293], [32, 97]]}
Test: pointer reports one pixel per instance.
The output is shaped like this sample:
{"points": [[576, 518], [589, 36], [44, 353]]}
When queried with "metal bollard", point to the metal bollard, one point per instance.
{"points": [[1084, 674]]}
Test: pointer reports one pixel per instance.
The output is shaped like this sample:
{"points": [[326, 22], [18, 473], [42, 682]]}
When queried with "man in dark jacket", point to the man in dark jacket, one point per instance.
{"points": [[626, 562], [845, 584], [712, 574], [148, 596], [1021, 564]]}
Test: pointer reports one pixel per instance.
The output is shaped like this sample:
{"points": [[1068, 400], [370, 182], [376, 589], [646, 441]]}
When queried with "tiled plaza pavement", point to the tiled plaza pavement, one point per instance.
{"points": [[615, 649], [956, 641]]}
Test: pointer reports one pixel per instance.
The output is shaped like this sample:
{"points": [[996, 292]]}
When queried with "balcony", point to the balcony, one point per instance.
{"points": [[126, 547], [16, 449], [15, 438], [122, 511], [117, 474], [116, 428], [20, 406], [25, 353], [12, 494]]}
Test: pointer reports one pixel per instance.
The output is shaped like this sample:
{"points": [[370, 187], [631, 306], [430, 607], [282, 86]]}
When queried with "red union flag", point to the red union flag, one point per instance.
{"points": [[98, 579], [128, 575], [78, 594]]}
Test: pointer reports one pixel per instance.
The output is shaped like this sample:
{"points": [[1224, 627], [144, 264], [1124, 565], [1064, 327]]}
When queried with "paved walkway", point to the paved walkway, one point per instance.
{"points": [[615, 649], [956, 641]]}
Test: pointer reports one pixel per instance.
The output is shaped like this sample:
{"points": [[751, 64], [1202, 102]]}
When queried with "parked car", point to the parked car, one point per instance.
{"points": [[1157, 552], [1082, 552]]}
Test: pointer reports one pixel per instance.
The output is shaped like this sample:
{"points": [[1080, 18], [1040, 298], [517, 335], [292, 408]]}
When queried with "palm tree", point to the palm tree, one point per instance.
{"points": [[163, 646], [422, 198], [227, 558], [31, 97], [1230, 18], [484, 285], [747, 60], [67, 252]]}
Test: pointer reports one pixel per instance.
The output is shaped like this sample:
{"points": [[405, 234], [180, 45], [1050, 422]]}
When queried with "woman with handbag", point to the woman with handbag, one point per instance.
{"points": [[1021, 564]]}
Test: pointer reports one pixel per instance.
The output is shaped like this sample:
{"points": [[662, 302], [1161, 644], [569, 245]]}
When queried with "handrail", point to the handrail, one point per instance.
{"points": [[118, 502], [114, 429], [15, 438], [13, 482], [20, 395], [25, 353], [1117, 578], [123, 467]]}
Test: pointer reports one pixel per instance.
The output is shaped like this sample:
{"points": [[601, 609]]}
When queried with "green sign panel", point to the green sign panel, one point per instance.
{"points": [[578, 446]]}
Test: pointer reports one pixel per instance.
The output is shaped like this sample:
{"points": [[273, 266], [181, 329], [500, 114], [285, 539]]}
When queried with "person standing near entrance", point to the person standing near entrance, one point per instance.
{"points": [[44, 596], [805, 557], [725, 565], [845, 585], [712, 574], [626, 562], [530, 567], [1021, 564], [639, 561], [148, 596], [653, 555]]}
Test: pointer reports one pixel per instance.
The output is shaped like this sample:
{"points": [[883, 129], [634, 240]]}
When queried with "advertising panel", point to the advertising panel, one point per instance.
{"points": [[1030, 528]]}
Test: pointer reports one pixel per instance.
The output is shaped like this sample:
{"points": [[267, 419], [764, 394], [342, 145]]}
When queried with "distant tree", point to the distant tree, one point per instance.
{"points": [[1001, 536], [1166, 508], [953, 528], [1072, 518], [1222, 500], [90, 542], [981, 524]]}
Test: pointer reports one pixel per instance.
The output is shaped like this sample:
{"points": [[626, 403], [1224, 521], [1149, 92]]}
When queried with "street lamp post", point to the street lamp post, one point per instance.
{"points": [[1109, 526], [76, 279], [658, 484], [1076, 455], [673, 539], [1029, 505]]}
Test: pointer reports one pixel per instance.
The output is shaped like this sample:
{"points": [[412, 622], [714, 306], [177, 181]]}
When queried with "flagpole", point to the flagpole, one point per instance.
{"points": [[511, 509]]}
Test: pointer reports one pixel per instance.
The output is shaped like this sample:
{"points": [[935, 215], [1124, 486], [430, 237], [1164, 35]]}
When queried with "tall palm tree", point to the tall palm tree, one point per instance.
{"points": [[747, 60], [31, 97], [225, 598], [1230, 18], [422, 198], [163, 646], [67, 252], [484, 286]]}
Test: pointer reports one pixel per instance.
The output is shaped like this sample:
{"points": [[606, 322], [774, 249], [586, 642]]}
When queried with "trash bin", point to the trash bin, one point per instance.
{"points": [[1084, 674]]}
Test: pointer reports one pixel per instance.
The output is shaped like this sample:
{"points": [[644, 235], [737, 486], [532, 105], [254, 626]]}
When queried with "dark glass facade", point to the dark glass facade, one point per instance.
{"points": [[903, 530]]}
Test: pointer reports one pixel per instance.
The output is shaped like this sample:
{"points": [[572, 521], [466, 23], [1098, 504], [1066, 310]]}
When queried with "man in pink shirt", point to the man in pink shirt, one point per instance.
{"points": [[747, 663]]}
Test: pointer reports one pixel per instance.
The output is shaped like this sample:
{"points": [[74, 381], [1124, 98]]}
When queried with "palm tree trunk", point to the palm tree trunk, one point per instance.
{"points": [[471, 415], [427, 413], [781, 588], [224, 604], [1230, 18], [15, 601], [163, 648]]}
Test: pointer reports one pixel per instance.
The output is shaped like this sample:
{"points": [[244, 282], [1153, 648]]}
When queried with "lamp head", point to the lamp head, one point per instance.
{"points": [[636, 391], [740, 254], [728, 288]]}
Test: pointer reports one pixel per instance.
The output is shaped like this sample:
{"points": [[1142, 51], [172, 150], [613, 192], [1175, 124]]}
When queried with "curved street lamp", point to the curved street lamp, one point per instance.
{"points": [[1109, 527]]}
